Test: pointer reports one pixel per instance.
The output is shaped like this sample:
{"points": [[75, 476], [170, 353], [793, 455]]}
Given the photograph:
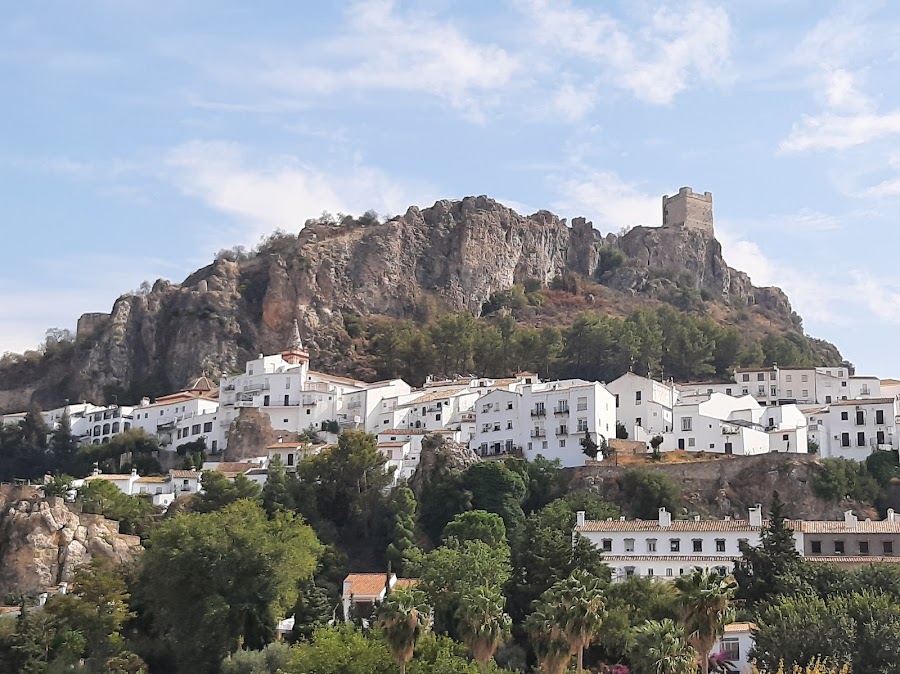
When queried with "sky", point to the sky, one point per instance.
{"points": [[140, 137]]}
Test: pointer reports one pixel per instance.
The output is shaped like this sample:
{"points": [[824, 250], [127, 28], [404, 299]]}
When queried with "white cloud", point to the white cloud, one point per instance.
{"points": [[281, 192], [654, 61], [607, 200], [880, 295], [383, 48], [831, 131]]}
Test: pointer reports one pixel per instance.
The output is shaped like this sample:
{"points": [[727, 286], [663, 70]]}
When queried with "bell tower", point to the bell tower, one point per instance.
{"points": [[295, 354]]}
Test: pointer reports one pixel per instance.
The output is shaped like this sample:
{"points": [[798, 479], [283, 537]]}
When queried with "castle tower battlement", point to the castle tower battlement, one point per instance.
{"points": [[688, 210]]}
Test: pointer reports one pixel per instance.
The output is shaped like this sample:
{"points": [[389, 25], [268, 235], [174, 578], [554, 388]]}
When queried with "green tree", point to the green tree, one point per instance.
{"points": [[63, 446], [97, 608], [219, 491], [482, 623], [341, 650], [548, 640], [497, 489], [457, 569], [313, 608], [764, 570], [274, 658], [403, 617], [477, 525], [545, 482], [588, 446], [217, 580], [402, 549], [580, 608], [704, 600], [660, 647], [59, 485], [276, 493], [648, 490], [134, 514], [655, 442]]}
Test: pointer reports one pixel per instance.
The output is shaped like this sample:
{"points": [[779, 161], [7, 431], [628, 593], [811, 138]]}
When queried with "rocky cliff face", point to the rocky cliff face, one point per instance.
{"points": [[450, 256], [42, 541]]}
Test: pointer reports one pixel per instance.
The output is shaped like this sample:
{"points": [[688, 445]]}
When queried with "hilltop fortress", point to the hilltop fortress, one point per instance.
{"points": [[688, 210]]}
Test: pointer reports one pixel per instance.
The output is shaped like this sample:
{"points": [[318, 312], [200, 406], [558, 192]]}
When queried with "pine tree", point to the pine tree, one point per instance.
{"points": [[312, 610], [402, 549], [761, 572], [63, 447]]}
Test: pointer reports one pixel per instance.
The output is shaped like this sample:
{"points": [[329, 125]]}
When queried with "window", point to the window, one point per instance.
{"points": [[582, 425], [839, 547], [686, 424], [804, 377], [698, 545], [787, 377], [437, 417], [745, 377], [290, 459], [637, 398], [509, 405], [720, 545], [215, 445], [845, 439], [509, 425], [712, 445], [607, 545], [860, 418], [762, 376], [650, 573], [879, 437], [581, 405], [195, 429], [805, 393], [772, 376], [675, 545], [544, 444], [651, 545], [845, 416], [879, 417], [844, 384], [728, 391], [731, 650], [691, 442], [562, 443], [287, 400], [784, 437], [815, 547], [207, 427], [115, 427], [669, 572], [287, 382], [637, 422], [774, 391], [265, 401], [790, 393], [629, 545], [887, 547], [861, 439], [864, 547]]}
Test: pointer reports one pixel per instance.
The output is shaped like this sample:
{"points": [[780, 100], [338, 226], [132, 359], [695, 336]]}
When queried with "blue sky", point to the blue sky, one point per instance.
{"points": [[141, 137]]}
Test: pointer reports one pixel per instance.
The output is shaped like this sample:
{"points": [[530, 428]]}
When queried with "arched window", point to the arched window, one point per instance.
{"points": [[127, 426], [115, 427], [105, 429], [96, 430]]}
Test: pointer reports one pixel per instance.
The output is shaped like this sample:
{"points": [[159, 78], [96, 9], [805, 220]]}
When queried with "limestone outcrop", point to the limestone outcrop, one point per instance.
{"points": [[448, 257], [42, 541]]}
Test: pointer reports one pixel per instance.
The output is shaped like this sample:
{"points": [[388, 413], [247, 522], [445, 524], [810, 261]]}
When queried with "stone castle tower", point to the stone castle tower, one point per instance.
{"points": [[689, 210]]}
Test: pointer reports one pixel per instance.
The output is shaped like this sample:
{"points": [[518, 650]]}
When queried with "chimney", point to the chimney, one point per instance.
{"points": [[63, 588], [134, 472], [579, 518], [850, 519], [891, 517], [665, 518], [756, 516]]}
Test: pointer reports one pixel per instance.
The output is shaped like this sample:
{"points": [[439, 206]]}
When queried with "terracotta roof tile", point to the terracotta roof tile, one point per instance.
{"points": [[677, 526], [185, 473], [434, 395], [864, 401], [853, 560], [739, 627], [686, 558], [364, 585]]}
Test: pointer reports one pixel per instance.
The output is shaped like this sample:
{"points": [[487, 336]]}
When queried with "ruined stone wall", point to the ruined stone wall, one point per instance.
{"points": [[689, 209]]}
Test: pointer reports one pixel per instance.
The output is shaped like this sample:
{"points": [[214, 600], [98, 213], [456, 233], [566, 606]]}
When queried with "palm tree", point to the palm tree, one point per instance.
{"points": [[582, 610], [482, 623], [548, 640], [704, 600], [660, 647], [404, 617]]}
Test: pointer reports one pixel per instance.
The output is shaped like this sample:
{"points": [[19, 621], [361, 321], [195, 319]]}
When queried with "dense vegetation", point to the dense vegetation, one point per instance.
{"points": [[659, 342], [500, 585]]}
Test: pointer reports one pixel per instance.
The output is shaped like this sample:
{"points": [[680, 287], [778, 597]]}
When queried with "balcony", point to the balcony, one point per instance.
{"points": [[354, 404], [560, 411], [256, 387], [562, 430], [310, 401], [229, 387], [244, 403], [538, 433], [539, 412]]}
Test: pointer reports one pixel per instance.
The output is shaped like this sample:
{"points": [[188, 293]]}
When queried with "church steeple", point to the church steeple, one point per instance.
{"points": [[295, 353]]}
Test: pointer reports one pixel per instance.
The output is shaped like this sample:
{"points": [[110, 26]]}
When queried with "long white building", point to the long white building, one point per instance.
{"points": [[665, 548]]}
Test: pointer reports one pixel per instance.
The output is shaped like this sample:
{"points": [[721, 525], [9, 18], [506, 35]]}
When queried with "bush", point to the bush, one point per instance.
{"points": [[646, 491], [841, 478]]}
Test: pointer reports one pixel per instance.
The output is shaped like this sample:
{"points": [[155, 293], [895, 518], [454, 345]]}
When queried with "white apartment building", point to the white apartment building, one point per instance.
{"points": [[184, 416], [804, 386], [161, 490], [375, 406], [101, 423], [719, 423], [548, 419], [665, 548], [643, 406], [853, 429]]}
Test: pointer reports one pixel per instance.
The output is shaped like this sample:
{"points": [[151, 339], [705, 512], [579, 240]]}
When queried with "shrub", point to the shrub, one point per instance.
{"points": [[646, 491]]}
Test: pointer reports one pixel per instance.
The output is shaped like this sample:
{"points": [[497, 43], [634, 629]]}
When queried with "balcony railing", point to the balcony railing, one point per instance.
{"points": [[538, 433], [539, 412], [309, 401], [256, 387], [559, 411], [562, 430]]}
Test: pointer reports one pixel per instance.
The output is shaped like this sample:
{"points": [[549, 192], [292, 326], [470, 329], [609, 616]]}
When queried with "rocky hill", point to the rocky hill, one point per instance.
{"points": [[450, 257], [42, 541]]}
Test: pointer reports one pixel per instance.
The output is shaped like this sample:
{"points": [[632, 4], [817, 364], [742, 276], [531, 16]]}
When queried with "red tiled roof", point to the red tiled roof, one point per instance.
{"points": [[365, 585], [864, 401], [859, 559], [185, 473], [688, 558]]}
